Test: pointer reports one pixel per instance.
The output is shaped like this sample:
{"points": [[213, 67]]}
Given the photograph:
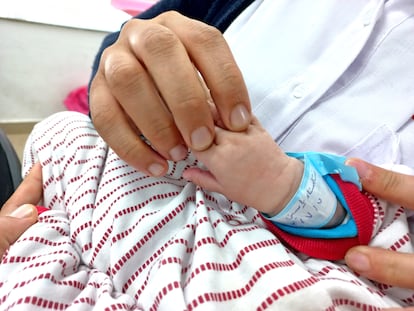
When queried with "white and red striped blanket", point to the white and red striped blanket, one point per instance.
{"points": [[115, 239]]}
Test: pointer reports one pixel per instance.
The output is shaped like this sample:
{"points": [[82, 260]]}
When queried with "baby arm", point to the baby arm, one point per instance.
{"points": [[250, 168]]}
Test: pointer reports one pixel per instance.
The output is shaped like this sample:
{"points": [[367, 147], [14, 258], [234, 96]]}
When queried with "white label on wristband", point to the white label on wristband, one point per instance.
{"points": [[313, 205]]}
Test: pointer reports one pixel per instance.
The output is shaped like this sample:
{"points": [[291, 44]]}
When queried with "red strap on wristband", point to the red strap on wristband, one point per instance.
{"points": [[335, 249]]}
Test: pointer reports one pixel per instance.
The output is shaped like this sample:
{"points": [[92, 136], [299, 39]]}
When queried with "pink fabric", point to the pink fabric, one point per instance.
{"points": [[133, 7], [41, 209], [77, 100]]}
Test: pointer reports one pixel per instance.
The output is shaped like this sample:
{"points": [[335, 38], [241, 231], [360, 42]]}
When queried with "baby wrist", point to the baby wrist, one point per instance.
{"points": [[312, 206], [315, 205], [291, 179]]}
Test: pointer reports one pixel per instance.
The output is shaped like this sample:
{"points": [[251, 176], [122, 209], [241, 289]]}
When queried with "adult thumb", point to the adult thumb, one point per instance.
{"points": [[388, 185], [381, 265], [13, 225]]}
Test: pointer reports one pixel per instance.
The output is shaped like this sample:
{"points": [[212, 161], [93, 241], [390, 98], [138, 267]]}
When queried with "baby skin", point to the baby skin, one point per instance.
{"points": [[248, 167]]}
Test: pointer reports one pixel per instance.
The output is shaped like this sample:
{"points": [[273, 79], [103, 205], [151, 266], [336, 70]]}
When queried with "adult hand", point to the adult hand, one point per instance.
{"points": [[377, 264], [248, 167], [19, 212], [151, 82]]}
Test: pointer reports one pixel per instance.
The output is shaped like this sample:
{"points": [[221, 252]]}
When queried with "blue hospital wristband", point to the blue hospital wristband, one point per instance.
{"points": [[313, 205], [315, 202]]}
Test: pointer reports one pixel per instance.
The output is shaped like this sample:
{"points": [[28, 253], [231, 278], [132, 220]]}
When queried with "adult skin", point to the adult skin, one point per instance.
{"points": [[157, 79], [377, 264], [19, 212]]}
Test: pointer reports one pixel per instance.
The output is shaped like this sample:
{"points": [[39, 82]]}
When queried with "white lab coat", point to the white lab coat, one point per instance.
{"points": [[333, 76]]}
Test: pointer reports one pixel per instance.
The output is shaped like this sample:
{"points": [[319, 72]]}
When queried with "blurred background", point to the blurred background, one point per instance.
{"points": [[47, 48]]}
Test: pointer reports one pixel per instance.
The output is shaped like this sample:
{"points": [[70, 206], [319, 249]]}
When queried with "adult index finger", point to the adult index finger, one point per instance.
{"points": [[212, 57], [115, 127]]}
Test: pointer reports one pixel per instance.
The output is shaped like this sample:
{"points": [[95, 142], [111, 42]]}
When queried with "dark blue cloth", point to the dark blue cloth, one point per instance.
{"points": [[218, 13], [10, 168]]}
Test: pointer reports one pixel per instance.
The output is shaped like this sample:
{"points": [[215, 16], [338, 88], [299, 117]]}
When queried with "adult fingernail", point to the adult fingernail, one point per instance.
{"points": [[23, 211], [178, 153], [201, 138], [156, 169], [358, 261], [361, 167], [239, 117]]}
